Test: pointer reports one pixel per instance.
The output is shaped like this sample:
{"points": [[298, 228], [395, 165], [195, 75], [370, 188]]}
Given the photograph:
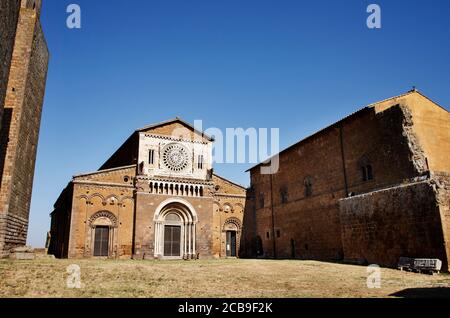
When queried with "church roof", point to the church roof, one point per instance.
{"points": [[175, 120]]}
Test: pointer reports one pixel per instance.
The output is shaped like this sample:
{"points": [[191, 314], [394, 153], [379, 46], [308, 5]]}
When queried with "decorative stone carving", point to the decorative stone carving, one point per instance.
{"points": [[103, 214], [175, 157]]}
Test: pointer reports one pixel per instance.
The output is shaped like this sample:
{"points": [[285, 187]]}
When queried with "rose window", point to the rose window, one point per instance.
{"points": [[175, 157]]}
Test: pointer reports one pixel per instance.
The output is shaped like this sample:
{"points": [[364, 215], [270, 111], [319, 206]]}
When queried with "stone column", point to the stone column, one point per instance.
{"points": [[193, 241]]}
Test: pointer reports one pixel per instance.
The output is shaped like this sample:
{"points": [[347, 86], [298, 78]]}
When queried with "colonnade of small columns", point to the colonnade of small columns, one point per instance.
{"points": [[160, 187]]}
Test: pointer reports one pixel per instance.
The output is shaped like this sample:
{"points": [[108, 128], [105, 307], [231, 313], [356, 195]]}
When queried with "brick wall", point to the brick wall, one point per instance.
{"points": [[441, 185], [382, 226], [9, 14], [305, 225], [21, 121]]}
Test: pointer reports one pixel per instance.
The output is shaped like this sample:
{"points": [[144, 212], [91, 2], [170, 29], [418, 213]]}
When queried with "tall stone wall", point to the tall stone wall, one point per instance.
{"points": [[9, 15], [382, 226], [441, 184], [20, 125], [307, 225]]}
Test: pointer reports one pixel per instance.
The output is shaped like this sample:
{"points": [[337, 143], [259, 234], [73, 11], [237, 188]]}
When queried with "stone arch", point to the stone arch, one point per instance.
{"points": [[97, 195], [102, 216], [83, 196], [231, 236], [103, 219], [232, 221], [183, 205], [184, 224]]}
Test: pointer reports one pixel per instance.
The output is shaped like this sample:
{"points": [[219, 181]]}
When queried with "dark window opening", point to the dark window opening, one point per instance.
{"points": [[259, 246], [306, 246], [367, 173], [200, 162], [261, 200], [151, 156], [268, 235], [308, 187], [278, 233], [284, 195]]}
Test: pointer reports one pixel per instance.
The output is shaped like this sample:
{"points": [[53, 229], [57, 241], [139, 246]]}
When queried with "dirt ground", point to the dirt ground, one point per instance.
{"points": [[210, 278]]}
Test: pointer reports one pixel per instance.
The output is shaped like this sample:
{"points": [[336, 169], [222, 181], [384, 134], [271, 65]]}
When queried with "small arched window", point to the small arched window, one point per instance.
{"points": [[308, 186], [367, 172], [366, 169], [284, 194], [261, 201]]}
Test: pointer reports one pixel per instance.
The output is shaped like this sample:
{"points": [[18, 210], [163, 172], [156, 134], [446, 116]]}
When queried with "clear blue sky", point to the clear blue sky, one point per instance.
{"points": [[296, 65]]}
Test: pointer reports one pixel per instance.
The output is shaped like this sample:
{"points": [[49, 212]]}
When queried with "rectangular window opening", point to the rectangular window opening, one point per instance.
{"points": [[151, 156], [200, 162]]}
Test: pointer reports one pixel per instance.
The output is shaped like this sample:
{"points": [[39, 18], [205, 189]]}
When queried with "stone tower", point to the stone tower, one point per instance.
{"points": [[20, 120], [9, 14]]}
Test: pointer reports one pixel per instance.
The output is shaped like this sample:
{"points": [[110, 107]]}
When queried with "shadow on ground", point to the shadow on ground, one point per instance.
{"points": [[435, 292]]}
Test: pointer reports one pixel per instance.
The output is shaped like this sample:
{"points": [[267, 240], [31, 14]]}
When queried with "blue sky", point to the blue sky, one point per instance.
{"points": [[293, 65]]}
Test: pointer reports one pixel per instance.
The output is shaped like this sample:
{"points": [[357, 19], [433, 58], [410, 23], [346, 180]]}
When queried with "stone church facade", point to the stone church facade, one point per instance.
{"points": [[371, 188], [23, 73], [155, 198]]}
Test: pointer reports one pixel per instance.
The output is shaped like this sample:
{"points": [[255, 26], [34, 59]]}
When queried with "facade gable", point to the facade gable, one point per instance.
{"points": [[121, 175], [177, 129]]}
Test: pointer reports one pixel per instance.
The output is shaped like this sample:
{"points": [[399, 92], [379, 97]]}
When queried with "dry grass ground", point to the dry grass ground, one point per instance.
{"points": [[206, 278]]}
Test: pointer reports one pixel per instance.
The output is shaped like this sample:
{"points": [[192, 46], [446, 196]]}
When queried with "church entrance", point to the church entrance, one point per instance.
{"points": [[101, 241], [175, 230], [172, 240], [231, 244]]}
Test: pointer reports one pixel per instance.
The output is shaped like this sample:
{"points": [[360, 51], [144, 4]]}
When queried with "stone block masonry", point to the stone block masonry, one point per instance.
{"points": [[20, 125], [370, 188], [9, 14], [382, 226]]}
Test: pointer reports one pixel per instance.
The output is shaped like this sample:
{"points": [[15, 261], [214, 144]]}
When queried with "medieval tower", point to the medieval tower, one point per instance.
{"points": [[23, 72]]}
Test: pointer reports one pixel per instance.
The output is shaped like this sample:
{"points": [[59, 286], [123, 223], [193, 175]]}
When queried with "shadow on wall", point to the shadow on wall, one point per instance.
{"points": [[4, 138], [435, 292]]}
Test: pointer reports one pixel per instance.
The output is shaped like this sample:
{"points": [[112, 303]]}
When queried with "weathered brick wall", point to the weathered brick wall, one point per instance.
{"points": [[146, 205], [430, 124], [331, 160], [382, 226], [110, 191], [21, 121], [228, 208], [441, 184], [9, 14], [60, 223]]}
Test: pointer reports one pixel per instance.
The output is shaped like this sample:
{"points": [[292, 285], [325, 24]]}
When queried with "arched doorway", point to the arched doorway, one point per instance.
{"points": [[232, 229], [175, 230], [102, 237]]}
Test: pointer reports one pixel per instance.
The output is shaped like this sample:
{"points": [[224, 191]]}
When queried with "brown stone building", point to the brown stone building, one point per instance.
{"points": [[24, 57], [370, 188], [156, 197]]}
